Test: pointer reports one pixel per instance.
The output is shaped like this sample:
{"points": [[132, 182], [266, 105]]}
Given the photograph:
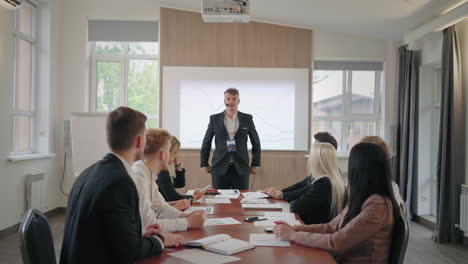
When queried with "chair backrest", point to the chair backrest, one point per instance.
{"points": [[36, 243], [399, 239]]}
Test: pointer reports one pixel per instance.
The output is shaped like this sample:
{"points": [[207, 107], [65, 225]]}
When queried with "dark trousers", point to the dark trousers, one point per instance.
{"points": [[230, 180]]}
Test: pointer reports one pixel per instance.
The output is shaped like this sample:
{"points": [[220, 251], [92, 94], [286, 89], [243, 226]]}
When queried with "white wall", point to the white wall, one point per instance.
{"points": [[74, 64], [462, 31], [12, 176], [337, 46]]}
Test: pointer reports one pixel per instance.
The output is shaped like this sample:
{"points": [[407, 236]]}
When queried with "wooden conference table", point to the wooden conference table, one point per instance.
{"points": [[295, 254]]}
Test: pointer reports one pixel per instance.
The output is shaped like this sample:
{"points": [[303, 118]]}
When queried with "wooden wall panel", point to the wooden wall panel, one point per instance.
{"points": [[185, 40], [267, 45], [279, 169]]}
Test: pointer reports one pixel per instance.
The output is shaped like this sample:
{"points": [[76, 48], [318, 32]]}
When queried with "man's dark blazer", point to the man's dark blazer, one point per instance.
{"points": [[103, 222], [221, 157]]}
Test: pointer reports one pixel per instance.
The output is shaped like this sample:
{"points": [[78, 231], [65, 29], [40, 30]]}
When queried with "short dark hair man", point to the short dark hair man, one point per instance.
{"points": [[230, 164], [103, 223]]}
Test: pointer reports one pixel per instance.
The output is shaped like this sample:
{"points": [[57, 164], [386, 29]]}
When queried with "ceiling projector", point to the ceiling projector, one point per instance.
{"points": [[226, 11]]}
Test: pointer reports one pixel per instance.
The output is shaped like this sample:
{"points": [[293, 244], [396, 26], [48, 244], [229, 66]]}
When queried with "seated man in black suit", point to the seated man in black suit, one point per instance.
{"points": [[295, 191], [103, 223]]}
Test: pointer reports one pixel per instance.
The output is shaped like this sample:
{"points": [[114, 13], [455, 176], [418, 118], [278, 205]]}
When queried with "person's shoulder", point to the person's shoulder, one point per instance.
{"points": [[377, 204], [322, 181], [216, 115], [245, 115], [164, 175]]}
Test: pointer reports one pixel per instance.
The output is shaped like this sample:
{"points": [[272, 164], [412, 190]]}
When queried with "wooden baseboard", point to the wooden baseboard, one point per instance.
{"points": [[14, 228]]}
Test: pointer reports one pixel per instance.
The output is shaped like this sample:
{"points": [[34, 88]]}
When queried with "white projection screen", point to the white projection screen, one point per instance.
{"points": [[277, 99]]}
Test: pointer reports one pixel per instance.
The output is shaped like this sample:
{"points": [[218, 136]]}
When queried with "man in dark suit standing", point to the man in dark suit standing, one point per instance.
{"points": [[103, 223], [230, 165]]}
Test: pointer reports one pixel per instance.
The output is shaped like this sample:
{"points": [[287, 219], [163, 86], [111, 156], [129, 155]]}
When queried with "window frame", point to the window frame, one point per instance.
{"points": [[124, 60], [347, 114], [32, 40]]}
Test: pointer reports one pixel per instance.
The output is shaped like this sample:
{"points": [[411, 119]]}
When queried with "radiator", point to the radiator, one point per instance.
{"points": [[35, 192], [464, 209]]}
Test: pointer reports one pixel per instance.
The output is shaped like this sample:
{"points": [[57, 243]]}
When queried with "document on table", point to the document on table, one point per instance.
{"points": [[277, 216], [199, 256], [190, 192], [262, 206], [227, 196], [255, 195], [268, 240], [272, 222], [208, 210], [254, 201], [217, 201], [221, 221], [228, 191]]}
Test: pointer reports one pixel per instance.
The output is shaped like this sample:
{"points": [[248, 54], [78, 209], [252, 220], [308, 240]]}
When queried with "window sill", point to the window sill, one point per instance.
{"points": [[21, 157]]}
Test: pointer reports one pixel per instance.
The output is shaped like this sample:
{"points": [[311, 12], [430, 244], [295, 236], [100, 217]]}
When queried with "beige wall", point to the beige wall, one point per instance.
{"points": [[12, 174]]}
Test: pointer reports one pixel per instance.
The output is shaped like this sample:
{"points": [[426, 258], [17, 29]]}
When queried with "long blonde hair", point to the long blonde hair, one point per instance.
{"points": [[175, 147], [322, 162]]}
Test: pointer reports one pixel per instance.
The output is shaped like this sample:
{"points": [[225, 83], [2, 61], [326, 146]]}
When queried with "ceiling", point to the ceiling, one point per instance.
{"points": [[384, 19]]}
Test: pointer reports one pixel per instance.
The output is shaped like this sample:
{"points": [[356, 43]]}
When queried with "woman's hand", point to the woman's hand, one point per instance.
{"points": [[181, 204], [284, 231], [198, 194]]}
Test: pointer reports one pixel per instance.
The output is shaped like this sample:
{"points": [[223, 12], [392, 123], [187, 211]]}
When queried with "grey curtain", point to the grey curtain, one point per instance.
{"points": [[451, 149], [407, 126]]}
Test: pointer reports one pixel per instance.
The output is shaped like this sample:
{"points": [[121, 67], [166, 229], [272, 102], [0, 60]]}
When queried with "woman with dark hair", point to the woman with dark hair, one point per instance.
{"points": [[362, 232]]}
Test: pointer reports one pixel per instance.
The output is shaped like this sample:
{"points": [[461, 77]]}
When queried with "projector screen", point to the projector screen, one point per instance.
{"points": [[277, 99]]}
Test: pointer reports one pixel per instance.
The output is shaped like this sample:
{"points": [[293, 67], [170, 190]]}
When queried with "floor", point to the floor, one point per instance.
{"points": [[421, 249]]}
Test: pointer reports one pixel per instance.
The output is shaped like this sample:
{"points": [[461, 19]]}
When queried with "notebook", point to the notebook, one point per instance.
{"points": [[222, 244], [254, 201], [255, 195], [208, 210]]}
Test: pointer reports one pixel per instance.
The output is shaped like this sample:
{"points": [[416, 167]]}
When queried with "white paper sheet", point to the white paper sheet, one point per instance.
{"points": [[254, 201], [208, 210], [190, 192], [199, 256], [221, 221], [226, 196], [277, 216], [268, 240], [228, 191], [262, 206], [255, 195], [217, 201], [267, 223]]}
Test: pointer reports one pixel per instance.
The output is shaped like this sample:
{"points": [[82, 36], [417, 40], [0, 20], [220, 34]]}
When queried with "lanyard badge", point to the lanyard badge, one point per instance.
{"points": [[231, 145]]}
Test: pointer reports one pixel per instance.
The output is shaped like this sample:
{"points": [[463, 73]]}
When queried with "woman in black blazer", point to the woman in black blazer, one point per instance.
{"points": [[325, 196], [167, 184]]}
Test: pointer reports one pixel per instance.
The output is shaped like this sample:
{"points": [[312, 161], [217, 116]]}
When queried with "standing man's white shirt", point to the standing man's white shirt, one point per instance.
{"points": [[153, 208], [231, 124]]}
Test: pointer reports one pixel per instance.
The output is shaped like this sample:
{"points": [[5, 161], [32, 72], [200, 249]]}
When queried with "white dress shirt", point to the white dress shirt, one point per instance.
{"points": [[231, 124], [153, 208]]}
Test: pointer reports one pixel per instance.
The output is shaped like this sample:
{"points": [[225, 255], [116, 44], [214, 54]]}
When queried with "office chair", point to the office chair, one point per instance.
{"points": [[399, 239], [36, 244]]}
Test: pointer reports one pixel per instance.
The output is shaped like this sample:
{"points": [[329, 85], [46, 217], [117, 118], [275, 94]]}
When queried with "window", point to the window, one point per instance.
{"points": [[345, 100], [24, 36], [125, 66], [126, 73]]}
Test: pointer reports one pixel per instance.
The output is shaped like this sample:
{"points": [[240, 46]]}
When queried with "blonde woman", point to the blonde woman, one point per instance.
{"points": [[325, 197], [167, 184]]}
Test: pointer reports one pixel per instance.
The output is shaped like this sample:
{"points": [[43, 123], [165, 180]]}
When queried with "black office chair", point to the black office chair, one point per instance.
{"points": [[36, 244], [399, 239]]}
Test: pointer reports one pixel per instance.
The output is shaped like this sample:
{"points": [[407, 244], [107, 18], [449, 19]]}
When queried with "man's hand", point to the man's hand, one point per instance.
{"points": [[207, 169], [198, 194], [181, 204], [253, 170], [151, 230], [172, 240], [196, 219]]}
